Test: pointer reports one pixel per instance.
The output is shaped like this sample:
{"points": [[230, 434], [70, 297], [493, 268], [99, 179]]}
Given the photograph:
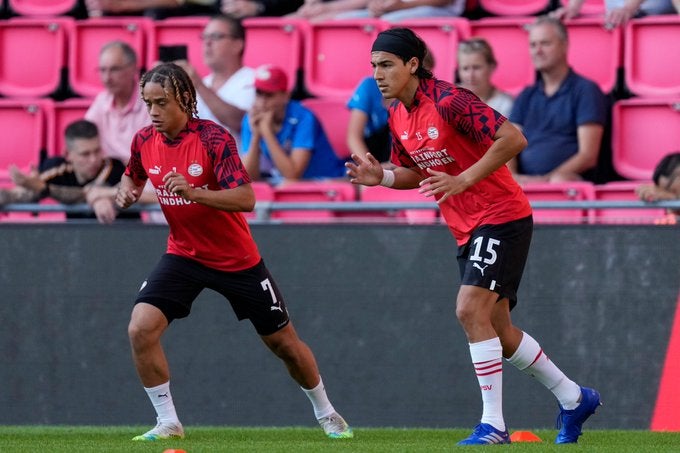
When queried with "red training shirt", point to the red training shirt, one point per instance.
{"points": [[205, 153], [449, 129]]}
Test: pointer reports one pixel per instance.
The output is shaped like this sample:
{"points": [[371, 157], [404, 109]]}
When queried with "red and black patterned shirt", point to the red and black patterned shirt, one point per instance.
{"points": [[205, 153], [449, 129]]}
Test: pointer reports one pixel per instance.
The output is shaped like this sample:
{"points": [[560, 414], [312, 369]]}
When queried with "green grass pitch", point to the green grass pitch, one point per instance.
{"points": [[77, 439]]}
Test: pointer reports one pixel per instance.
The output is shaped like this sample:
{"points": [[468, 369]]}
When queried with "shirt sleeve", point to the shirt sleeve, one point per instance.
{"points": [[305, 131], [470, 116], [228, 167], [135, 168]]}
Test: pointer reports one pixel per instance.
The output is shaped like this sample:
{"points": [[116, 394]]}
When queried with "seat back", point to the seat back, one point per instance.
{"points": [[89, 36], [514, 7], [178, 31], [566, 191], [386, 194], [509, 39], [442, 36], [42, 7], [338, 55], [643, 131], [24, 128], [65, 112], [652, 56], [277, 41], [310, 192], [595, 51], [32, 55], [264, 192], [333, 115], [589, 7], [623, 191]]}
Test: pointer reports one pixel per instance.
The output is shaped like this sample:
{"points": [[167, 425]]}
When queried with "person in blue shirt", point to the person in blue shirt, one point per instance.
{"points": [[367, 129], [563, 115], [282, 139]]}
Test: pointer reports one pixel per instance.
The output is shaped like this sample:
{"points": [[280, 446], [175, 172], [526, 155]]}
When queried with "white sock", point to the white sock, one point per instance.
{"points": [[317, 395], [487, 358], [162, 401], [531, 359]]}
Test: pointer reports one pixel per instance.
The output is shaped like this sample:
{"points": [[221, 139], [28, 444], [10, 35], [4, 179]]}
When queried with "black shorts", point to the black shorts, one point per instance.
{"points": [[175, 282], [495, 256]]}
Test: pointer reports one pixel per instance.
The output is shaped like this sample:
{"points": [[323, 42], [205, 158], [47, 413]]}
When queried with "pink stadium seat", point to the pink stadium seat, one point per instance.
{"points": [[64, 113], [594, 51], [32, 55], [334, 117], [174, 31], [623, 191], [338, 55], [652, 56], [643, 131], [33, 217], [510, 41], [567, 191], [514, 7], [89, 36], [264, 192], [386, 194], [590, 7], [442, 36], [277, 41], [312, 191], [42, 7], [23, 128]]}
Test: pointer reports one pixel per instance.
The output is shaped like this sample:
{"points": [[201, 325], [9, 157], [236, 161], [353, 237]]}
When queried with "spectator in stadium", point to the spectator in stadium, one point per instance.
{"points": [[618, 12], [83, 175], [205, 188], [389, 10], [666, 184], [476, 64], [282, 139], [155, 9], [563, 115], [242, 9], [227, 92], [118, 110], [455, 148]]}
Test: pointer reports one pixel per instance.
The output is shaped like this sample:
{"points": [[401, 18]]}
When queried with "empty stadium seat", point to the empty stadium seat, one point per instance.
{"points": [[338, 55], [514, 7], [334, 117], [510, 41], [178, 31], [442, 36], [590, 7], [277, 41], [89, 36], [595, 51], [386, 194], [64, 113], [566, 191], [623, 191], [42, 7], [310, 192], [24, 128], [32, 55], [643, 131], [652, 56]]}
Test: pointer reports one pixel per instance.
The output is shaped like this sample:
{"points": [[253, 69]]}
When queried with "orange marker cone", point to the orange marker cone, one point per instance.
{"points": [[524, 436]]}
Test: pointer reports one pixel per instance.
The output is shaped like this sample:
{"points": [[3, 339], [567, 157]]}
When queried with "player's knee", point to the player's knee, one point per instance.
{"points": [[141, 334]]}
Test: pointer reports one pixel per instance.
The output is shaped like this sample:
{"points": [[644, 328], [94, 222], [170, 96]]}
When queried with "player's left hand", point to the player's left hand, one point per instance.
{"points": [[442, 183], [177, 183]]}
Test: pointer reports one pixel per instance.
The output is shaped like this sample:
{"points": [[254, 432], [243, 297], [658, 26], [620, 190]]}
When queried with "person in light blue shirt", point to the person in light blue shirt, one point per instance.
{"points": [[282, 139], [368, 130]]}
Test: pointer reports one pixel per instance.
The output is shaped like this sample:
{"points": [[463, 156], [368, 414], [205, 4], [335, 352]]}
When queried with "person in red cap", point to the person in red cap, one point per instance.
{"points": [[282, 139]]}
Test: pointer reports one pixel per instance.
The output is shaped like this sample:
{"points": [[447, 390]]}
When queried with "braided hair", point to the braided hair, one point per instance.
{"points": [[174, 80]]}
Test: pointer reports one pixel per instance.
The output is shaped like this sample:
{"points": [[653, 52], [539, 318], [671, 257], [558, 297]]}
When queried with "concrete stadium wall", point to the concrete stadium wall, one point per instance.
{"points": [[375, 303]]}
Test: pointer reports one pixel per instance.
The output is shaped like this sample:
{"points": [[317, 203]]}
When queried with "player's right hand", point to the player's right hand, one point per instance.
{"points": [[126, 197], [366, 171]]}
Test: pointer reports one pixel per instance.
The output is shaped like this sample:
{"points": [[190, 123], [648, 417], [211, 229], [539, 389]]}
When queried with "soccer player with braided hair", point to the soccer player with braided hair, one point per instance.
{"points": [[203, 189], [454, 147]]}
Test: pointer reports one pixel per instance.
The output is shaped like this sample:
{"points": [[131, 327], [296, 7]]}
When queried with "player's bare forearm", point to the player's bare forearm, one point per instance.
{"points": [[241, 198]]}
